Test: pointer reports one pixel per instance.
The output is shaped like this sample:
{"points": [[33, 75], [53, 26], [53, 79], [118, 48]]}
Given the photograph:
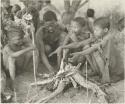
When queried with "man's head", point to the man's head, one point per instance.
{"points": [[101, 26], [77, 24], [90, 13], [49, 16], [16, 8]]}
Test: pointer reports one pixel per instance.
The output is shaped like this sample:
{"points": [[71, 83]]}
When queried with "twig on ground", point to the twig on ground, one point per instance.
{"points": [[59, 89]]}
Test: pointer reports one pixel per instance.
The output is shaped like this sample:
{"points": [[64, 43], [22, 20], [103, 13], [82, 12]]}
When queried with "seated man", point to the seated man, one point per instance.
{"points": [[48, 37], [13, 50]]}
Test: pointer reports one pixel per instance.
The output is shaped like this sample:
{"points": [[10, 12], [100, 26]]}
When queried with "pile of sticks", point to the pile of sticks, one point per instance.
{"points": [[67, 74]]}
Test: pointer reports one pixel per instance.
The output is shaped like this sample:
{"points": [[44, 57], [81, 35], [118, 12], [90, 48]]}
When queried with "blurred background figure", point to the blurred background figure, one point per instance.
{"points": [[48, 6]]}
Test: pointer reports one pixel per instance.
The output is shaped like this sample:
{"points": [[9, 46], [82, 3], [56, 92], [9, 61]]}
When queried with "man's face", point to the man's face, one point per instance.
{"points": [[75, 27]]}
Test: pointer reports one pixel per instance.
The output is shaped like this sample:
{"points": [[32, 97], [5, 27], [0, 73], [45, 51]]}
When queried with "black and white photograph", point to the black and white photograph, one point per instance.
{"points": [[62, 51]]}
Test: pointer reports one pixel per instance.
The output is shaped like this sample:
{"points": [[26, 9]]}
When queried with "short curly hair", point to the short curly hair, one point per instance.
{"points": [[90, 12], [49, 16]]}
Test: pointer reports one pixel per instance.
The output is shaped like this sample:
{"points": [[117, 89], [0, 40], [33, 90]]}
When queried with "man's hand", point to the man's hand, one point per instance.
{"points": [[57, 51], [32, 47], [74, 57]]}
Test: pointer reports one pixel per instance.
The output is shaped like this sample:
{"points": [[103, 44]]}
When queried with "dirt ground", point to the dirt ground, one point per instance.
{"points": [[72, 95], [79, 95]]}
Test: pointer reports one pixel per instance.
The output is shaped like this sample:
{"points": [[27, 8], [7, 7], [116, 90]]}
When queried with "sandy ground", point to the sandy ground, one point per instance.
{"points": [[79, 95], [72, 95]]}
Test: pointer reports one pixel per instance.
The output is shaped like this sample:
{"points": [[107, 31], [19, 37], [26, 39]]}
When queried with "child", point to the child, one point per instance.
{"points": [[100, 47], [75, 35], [13, 50]]}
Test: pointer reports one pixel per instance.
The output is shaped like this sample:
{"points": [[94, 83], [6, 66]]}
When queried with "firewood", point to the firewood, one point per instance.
{"points": [[81, 80], [42, 82], [59, 89], [67, 5]]}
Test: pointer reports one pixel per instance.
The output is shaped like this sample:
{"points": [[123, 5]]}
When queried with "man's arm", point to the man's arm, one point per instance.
{"points": [[94, 47], [18, 53], [41, 47], [59, 49], [77, 44]]}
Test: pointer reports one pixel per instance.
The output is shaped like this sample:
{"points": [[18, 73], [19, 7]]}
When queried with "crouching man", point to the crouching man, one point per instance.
{"points": [[13, 50]]}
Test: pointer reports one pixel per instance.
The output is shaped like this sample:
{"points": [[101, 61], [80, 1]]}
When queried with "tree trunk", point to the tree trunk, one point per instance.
{"points": [[70, 10], [67, 5]]}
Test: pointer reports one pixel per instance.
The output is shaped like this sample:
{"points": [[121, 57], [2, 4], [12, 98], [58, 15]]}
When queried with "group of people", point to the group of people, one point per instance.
{"points": [[83, 40]]}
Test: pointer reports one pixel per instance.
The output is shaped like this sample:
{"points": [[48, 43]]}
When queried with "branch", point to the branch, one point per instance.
{"points": [[75, 5], [42, 82], [59, 89], [67, 5], [81, 5]]}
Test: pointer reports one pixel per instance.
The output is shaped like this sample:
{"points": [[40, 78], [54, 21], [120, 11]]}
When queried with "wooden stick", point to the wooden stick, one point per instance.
{"points": [[81, 80], [86, 78], [42, 82], [34, 61], [60, 88], [15, 96]]}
